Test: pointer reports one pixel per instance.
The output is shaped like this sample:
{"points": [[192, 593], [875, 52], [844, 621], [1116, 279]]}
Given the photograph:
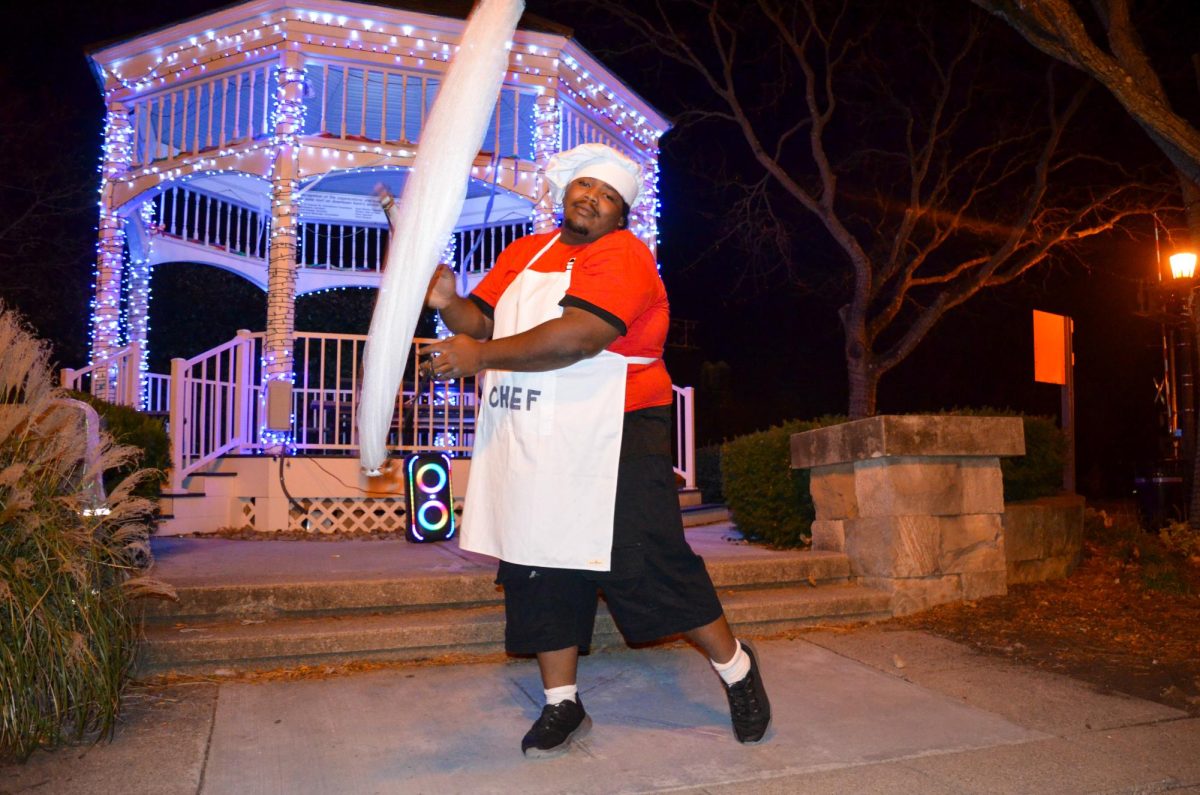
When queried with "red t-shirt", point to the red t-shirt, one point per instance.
{"points": [[616, 279]]}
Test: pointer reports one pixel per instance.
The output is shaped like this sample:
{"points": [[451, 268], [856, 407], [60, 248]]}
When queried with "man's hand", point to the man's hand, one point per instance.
{"points": [[455, 357], [442, 290]]}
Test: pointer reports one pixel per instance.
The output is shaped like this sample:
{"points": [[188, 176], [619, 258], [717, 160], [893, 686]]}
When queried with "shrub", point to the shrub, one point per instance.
{"points": [[128, 426], [769, 500], [1038, 473], [67, 632], [708, 473]]}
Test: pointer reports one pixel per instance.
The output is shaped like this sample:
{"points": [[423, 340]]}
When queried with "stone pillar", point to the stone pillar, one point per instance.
{"points": [[110, 253], [546, 143], [281, 259], [915, 502]]}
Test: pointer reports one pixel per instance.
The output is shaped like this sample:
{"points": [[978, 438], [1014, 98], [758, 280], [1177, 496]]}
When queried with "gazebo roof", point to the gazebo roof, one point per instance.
{"points": [[455, 9]]}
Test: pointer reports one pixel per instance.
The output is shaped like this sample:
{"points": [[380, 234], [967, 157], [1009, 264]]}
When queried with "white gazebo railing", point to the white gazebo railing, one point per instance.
{"points": [[215, 403], [117, 379], [203, 115], [206, 220], [359, 102]]}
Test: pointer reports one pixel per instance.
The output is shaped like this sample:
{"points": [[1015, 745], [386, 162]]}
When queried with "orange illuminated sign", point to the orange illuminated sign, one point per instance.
{"points": [[1050, 353]]}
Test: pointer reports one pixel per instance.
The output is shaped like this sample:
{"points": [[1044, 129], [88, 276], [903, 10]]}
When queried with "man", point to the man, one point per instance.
{"points": [[571, 484]]}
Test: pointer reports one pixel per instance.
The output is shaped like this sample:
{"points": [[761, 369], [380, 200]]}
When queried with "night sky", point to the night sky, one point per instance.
{"points": [[780, 339]]}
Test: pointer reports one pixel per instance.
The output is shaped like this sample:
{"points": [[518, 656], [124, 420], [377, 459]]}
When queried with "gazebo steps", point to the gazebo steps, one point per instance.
{"points": [[247, 605], [282, 642]]}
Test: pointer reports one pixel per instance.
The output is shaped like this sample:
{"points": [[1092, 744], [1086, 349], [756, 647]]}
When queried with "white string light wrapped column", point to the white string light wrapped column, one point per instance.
{"points": [[110, 248], [546, 144], [137, 316], [646, 225], [281, 261]]}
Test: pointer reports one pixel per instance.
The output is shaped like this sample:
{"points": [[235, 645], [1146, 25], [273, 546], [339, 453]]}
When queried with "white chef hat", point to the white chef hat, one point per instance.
{"points": [[598, 161]]}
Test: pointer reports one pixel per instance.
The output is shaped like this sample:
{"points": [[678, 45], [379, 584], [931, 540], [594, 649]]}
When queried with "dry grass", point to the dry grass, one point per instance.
{"points": [[66, 579]]}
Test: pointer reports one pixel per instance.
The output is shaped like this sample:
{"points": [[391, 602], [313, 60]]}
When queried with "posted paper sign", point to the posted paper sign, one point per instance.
{"points": [[340, 208]]}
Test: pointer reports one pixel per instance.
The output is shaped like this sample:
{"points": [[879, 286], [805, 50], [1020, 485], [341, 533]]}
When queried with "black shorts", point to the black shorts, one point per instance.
{"points": [[657, 585]]}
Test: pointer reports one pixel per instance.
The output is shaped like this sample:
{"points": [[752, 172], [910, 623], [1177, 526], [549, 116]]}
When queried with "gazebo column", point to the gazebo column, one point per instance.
{"points": [[278, 367], [545, 145], [110, 246], [138, 310], [645, 222]]}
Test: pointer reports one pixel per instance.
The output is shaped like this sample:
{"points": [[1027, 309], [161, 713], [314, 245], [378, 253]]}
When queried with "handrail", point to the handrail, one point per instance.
{"points": [[124, 390], [210, 407], [685, 434], [216, 404]]}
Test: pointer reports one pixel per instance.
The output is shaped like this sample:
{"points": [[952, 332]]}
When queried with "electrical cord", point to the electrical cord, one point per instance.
{"points": [[305, 524]]}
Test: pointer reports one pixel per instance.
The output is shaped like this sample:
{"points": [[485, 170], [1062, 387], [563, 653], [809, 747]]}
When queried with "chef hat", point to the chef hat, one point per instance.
{"points": [[598, 161]]}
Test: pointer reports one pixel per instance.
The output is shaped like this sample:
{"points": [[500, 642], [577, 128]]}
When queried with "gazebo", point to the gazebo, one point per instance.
{"points": [[251, 139]]}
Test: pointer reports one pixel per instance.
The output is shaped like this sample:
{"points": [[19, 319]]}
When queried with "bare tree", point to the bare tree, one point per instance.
{"points": [[1119, 62], [933, 182]]}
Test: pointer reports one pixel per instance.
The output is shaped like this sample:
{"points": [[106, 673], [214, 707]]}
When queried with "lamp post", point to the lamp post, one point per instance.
{"points": [[1183, 273]]}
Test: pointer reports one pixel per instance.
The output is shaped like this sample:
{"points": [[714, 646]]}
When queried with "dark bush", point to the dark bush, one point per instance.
{"points": [[769, 500], [129, 426], [708, 473], [1038, 473]]}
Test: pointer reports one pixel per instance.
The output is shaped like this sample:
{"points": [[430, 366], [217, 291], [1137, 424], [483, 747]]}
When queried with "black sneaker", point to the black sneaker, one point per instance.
{"points": [[749, 709], [553, 732]]}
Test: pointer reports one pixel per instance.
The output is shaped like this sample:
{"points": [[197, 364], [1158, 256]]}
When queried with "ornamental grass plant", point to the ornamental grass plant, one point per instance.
{"points": [[68, 573]]}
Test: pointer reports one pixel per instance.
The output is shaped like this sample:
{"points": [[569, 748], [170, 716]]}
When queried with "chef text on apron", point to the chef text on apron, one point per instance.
{"points": [[543, 480]]}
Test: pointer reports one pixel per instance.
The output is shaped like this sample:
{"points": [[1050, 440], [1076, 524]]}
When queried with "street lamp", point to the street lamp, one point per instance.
{"points": [[1183, 265], [1183, 272]]}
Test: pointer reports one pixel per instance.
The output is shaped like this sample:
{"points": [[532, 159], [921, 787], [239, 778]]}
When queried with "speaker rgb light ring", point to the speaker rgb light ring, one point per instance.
{"points": [[423, 520], [439, 470]]}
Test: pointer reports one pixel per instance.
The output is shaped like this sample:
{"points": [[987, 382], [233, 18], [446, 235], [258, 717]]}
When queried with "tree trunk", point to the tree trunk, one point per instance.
{"points": [[864, 383]]}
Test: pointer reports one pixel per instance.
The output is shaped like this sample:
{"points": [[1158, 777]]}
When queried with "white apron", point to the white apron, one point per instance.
{"points": [[543, 481]]}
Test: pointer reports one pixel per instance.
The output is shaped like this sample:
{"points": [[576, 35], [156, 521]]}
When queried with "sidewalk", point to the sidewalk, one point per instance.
{"points": [[862, 711]]}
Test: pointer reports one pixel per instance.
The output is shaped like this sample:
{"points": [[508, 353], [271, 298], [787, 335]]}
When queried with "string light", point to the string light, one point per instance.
{"points": [[138, 316], [567, 87]]}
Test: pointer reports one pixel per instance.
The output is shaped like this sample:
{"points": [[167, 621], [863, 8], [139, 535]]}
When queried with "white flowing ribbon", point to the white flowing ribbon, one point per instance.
{"points": [[428, 210]]}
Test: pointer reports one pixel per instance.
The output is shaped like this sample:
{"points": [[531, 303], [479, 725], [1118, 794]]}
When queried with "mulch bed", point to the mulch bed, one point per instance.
{"points": [[1127, 620]]}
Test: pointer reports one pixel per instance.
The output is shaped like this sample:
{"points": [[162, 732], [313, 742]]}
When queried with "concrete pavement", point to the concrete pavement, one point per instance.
{"points": [[861, 711]]}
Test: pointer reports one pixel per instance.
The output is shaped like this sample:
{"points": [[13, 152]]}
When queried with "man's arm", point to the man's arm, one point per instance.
{"points": [[461, 315], [577, 335]]}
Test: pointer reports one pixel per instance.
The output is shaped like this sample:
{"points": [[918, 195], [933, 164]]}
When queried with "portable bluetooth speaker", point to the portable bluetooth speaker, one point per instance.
{"points": [[427, 497]]}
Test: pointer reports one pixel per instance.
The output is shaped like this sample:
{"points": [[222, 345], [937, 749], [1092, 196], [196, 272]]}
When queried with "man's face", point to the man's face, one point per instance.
{"points": [[591, 209]]}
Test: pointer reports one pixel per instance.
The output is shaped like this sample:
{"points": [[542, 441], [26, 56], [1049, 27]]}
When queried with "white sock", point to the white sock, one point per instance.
{"points": [[736, 669], [557, 695]]}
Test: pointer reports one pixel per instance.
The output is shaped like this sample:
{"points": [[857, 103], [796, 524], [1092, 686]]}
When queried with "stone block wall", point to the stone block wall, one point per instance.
{"points": [[1043, 539], [916, 503]]}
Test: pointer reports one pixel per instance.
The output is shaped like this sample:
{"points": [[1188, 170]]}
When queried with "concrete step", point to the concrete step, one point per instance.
{"points": [[304, 591], [270, 604], [704, 513], [264, 644]]}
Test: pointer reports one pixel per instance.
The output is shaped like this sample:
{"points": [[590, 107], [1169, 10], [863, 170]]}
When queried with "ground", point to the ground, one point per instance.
{"points": [[1127, 620]]}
